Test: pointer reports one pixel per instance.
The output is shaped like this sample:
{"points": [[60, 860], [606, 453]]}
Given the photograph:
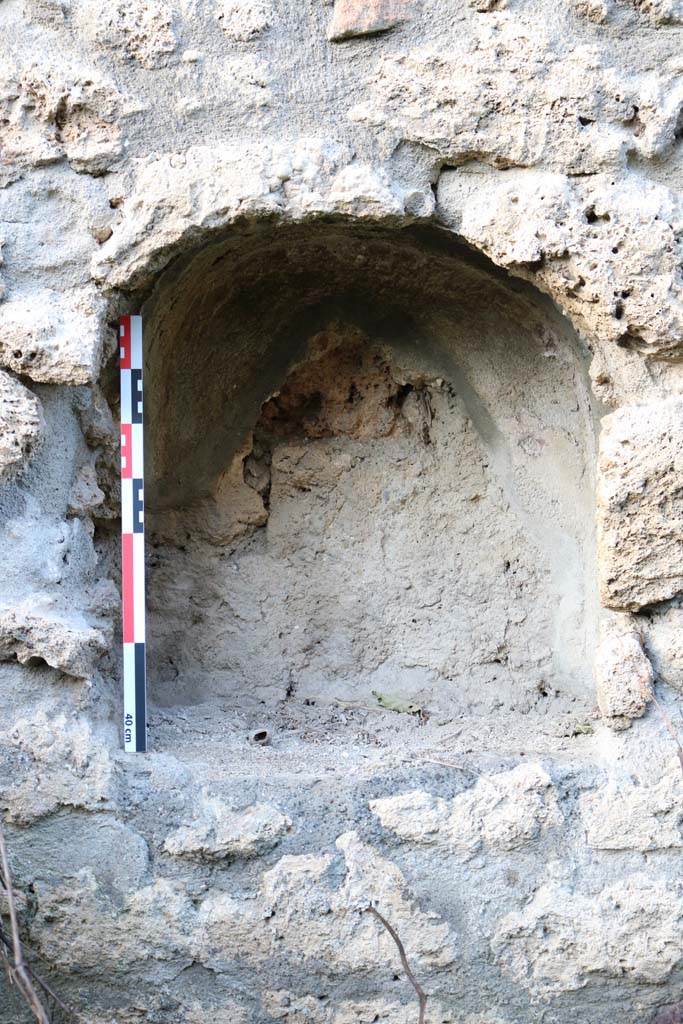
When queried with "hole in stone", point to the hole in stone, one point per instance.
{"points": [[592, 217], [630, 340], [369, 493], [261, 736], [35, 661]]}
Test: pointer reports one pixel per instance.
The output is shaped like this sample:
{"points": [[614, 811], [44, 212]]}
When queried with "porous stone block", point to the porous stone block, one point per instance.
{"points": [[664, 639], [53, 338], [141, 31], [629, 930], [244, 20], [640, 505], [67, 110], [220, 832], [36, 628], [623, 678], [501, 812], [21, 423], [625, 816], [365, 17], [65, 763]]}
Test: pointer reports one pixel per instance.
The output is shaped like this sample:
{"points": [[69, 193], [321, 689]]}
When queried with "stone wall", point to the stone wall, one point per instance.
{"points": [[439, 237]]}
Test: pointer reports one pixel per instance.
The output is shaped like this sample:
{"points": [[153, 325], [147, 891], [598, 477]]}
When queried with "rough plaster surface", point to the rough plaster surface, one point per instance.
{"points": [[404, 267], [410, 503]]}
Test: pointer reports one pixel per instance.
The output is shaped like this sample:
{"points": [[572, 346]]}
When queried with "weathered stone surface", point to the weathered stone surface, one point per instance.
{"points": [[664, 634], [69, 766], [46, 12], [455, 102], [219, 832], [97, 422], [503, 812], [39, 628], [661, 12], [307, 919], [62, 112], [595, 10], [53, 338], [139, 30], [21, 423], [244, 20], [366, 17], [607, 251], [623, 816], [232, 1013], [284, 1005], [623, 678], [630, 930], [175, 195], [298, 911], [640, 505], [86, 497], [155, 919]]}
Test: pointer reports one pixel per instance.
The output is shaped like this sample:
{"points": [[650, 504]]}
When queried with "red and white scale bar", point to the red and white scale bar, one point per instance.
{"points": [[133, 535]]}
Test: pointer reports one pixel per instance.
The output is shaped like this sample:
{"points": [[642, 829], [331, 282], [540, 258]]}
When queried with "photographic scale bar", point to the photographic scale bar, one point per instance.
{"points": [[133, 535]]}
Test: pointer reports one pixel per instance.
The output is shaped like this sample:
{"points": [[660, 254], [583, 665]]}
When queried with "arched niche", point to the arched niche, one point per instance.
{"points": [[369, 472]]}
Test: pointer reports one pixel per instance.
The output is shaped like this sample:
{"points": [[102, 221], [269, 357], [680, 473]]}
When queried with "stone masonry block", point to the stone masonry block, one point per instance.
{"points": [[640, 505], [365, 17]]}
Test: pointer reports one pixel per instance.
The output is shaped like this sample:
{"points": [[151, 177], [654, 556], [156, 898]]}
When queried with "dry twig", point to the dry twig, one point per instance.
{"points": [[5, 948], [18, 971], [421, 994]]}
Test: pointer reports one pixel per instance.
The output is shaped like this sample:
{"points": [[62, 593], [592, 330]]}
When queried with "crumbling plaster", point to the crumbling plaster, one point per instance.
{"points": [[213, 880]]}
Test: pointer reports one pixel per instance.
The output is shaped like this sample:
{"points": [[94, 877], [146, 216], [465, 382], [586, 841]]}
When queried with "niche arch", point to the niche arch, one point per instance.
{"points": [[369, 481]]}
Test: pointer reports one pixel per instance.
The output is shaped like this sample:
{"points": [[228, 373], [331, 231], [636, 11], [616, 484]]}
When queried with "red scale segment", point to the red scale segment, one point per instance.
{"points": [[128, 590], [125, 345]]}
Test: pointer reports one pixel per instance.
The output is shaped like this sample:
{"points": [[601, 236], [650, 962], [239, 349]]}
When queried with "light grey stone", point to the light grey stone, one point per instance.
{"points": [[21, 423], [640, 504]]}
